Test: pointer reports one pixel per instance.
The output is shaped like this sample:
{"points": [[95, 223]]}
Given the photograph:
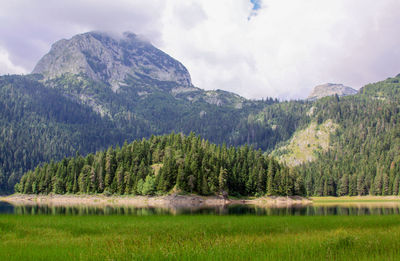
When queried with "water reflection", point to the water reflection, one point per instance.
{"points": [[310, 210], [6, 208]]}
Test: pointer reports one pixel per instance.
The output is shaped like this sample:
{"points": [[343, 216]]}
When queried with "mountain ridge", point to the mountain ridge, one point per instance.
{"points": [[329, 89]]}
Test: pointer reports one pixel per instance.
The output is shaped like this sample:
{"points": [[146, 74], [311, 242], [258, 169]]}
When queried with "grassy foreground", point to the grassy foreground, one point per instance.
{"points": [[199, 237]]}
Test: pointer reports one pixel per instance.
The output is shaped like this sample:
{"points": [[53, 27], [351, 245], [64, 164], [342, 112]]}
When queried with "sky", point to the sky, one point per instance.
{"points": [[256, 48]]}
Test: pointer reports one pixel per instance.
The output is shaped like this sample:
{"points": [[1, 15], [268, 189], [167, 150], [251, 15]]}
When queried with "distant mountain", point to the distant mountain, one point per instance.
{"points": [[110, 60], [95, 62], [330, 89]]}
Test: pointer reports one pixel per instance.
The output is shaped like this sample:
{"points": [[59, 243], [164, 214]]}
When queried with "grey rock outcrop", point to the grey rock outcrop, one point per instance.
{"points": [[108, 59], [330, 89]]}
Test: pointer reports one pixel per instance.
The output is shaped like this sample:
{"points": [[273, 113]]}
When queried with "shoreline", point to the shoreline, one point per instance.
{"points": [[192, 201], [366, 198], [167, 201], [357, 201]]}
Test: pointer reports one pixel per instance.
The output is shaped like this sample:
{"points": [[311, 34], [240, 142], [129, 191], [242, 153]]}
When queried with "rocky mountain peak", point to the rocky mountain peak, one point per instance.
{"points": [[111, 59], [330, 89]]}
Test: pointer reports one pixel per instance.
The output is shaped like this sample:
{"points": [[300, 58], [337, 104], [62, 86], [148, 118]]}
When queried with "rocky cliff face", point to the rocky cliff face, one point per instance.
{"points": [[330, 89], [107, 59]]}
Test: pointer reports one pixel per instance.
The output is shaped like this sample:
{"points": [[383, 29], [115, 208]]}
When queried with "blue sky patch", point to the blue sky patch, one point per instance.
{"points": [[256, 4], [254, 10]]}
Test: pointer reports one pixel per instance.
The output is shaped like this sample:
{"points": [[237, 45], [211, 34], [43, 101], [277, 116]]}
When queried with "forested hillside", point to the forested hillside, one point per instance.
{"points": [[39, 124], [166, 163], [41, 121], [365, 153], [93, 91], [362, 157]]}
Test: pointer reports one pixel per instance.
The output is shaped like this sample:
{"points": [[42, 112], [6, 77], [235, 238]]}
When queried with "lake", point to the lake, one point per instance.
{"points": [[241, 232], [309, 210]]}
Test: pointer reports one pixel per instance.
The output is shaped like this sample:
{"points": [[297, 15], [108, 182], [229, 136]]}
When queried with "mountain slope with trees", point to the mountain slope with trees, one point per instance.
{"points": [[121, 95], [162, 164], [55, 115], [39, 124], [364, 157]]}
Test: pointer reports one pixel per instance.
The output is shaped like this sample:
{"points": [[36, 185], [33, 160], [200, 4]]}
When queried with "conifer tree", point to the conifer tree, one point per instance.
{"points": [[222, 179]]}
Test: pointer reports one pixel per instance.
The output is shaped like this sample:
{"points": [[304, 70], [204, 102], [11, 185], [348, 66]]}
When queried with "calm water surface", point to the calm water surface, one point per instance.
{"points": [[320, 210]]}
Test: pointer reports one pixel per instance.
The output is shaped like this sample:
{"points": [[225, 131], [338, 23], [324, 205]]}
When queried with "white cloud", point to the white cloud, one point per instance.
{"points": [[6, 66], [284, 50], [290, 46]]}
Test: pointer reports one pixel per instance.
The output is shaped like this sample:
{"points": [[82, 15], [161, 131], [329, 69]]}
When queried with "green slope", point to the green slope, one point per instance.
{"points": [[40, 124]]}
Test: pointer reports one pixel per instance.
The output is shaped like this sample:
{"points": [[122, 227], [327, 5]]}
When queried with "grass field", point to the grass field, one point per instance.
{"points": [[199, 237]]}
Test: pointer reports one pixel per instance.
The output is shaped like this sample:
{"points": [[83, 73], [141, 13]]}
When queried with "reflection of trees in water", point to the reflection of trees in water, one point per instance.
{"points": [[355, 210], [112, 210], [6, 208], [87, 210], [220, 210]]}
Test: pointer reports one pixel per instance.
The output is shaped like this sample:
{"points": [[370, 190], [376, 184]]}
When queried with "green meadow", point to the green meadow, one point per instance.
{"points": [[206, 237]]}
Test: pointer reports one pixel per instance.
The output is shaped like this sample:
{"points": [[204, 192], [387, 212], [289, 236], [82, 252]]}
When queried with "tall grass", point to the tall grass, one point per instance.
{"points": [[199, 237]]}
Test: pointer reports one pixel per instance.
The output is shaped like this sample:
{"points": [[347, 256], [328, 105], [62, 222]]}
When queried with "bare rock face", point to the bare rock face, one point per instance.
{"points": [[330, 89], [108, 59]]}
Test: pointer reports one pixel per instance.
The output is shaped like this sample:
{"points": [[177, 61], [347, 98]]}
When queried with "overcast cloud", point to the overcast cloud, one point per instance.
{"points": [[283, 49]]}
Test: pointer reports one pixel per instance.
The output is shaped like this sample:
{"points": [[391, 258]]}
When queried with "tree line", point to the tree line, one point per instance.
{"points": [[163, 164]]}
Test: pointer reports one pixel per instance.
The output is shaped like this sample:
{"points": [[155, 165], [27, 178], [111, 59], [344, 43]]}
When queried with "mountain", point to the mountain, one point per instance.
{"points": [[106, 59], [82, 97], [339, 145], [363, 153], [89, 66], [330, 89]]}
